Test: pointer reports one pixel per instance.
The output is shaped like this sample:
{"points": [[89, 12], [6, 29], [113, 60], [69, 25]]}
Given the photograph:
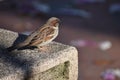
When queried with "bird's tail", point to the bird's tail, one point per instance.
{"points": [[11, 48], [20, 45]]}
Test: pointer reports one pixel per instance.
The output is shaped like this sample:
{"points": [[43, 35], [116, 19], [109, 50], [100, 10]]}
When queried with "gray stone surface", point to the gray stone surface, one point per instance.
{"points": [[7, 38], [9, 70], [28, 64]]}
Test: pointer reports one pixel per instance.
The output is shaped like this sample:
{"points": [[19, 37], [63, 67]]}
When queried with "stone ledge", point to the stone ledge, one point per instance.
{"points": [[30, 64]]}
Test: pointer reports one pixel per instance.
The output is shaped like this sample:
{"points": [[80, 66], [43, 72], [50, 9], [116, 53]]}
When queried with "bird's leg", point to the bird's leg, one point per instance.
{"points": [[43, 48]]}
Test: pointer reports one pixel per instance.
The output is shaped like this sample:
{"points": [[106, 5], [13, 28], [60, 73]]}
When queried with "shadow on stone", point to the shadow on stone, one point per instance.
{"points": [[17, 62], [19, 39]]}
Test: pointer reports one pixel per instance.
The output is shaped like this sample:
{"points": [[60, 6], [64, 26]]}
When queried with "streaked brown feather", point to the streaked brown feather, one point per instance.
{"points": [[42, 36], [48, 38], [36, 42], [50, 31]]}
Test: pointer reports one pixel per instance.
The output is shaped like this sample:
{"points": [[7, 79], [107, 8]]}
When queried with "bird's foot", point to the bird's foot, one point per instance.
{"points": [[43, 48]]}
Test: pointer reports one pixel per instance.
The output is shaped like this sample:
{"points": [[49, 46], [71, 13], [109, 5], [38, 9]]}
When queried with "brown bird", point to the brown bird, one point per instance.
{"points": [[42, 36]]}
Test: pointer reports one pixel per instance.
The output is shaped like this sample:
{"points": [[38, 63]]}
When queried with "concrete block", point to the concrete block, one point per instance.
{"points": [[58, 62]]}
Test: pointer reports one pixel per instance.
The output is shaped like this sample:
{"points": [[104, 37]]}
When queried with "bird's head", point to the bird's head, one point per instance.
{"points": [[53, 21]]}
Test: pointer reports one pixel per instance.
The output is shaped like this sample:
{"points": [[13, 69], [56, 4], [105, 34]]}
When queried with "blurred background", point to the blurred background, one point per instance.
{"points": [[92, 26]]}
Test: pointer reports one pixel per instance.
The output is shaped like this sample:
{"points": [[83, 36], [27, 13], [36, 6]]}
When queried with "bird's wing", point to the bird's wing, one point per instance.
{"points": [[42, 36], [27, 40]]}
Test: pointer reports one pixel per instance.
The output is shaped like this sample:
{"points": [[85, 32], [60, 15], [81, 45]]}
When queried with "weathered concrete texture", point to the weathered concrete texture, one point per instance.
{"points": [[58, 62], [7, 38], [9, 69]]}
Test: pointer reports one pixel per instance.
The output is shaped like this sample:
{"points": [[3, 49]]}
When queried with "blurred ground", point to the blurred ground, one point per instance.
{"points": [[100, 27]]}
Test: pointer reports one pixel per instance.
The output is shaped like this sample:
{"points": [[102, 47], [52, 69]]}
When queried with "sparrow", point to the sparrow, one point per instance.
{"points": [[41, 36]]}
